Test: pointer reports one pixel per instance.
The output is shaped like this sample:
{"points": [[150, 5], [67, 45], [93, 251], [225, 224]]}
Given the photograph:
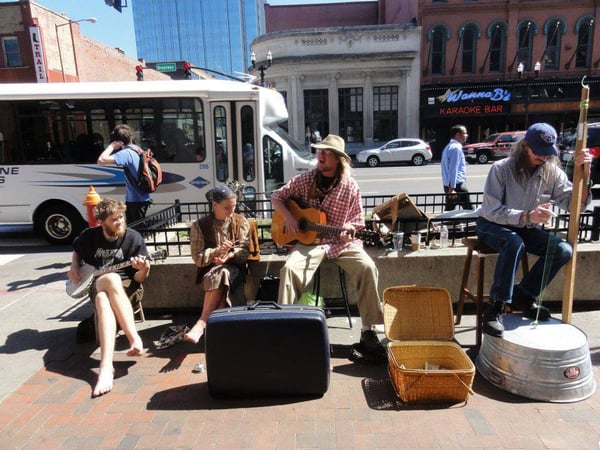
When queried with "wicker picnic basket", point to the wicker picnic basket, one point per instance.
{"points": [[424, 365]]}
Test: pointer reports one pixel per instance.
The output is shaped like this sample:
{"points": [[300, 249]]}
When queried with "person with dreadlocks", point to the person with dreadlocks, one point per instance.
{"points": [[219, 243], [516, 203], [330, 188]]}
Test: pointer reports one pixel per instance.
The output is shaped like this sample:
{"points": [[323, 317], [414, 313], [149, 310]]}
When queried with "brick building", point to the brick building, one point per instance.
{"points": [[40, 45], [502, 65], [477, 65]]}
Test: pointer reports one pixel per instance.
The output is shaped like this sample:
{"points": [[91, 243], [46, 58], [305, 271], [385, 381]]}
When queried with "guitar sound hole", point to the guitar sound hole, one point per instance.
{"points": [[302, 225]]}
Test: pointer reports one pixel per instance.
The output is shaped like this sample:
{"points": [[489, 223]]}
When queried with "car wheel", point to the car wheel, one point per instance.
{"points": [[482, 158], [60, 224], [372, 161], [418, 160]]}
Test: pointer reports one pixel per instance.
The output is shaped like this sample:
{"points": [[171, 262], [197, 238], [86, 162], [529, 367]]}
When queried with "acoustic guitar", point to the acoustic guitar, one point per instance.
{"points": [[312, 223], [88, 273]]}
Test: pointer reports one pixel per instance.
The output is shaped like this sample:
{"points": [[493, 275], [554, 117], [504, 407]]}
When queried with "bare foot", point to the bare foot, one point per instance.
{"points": [[105, 382], [137, 347], [195, 333]]}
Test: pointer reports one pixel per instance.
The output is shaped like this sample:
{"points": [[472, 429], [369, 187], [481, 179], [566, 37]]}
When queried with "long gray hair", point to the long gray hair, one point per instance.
{"points": [[519, 152]]}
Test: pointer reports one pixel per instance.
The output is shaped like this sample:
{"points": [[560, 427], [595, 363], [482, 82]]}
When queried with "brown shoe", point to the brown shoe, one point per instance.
{"points": [[492, 320], [528, 305], [370, 342]]}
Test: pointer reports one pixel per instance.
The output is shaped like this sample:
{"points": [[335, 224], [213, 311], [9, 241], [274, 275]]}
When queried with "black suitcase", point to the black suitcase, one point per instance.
{"points": [[267, 349]]}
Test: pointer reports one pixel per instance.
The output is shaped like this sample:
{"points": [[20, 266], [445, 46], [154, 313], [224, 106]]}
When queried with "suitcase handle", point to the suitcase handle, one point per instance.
{"points": [[264, 304]]}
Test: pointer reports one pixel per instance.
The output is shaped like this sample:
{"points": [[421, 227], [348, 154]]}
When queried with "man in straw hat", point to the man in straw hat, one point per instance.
{"points": [[331, 189], [517, 202]]}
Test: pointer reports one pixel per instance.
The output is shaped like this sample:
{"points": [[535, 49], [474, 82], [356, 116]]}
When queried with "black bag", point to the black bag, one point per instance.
{"points": [[86, 330], [267, 349], [268, 289]]}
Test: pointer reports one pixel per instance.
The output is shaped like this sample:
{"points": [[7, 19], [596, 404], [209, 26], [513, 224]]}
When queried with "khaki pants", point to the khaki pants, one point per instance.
{"points": [[300, 268]]}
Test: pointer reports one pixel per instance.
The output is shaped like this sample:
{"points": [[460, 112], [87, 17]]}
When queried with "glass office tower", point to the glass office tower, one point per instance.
{"points": [[214, 34]]}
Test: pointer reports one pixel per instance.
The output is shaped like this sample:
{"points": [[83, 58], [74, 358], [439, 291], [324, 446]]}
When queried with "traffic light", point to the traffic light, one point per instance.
{"points": [[139, 72], [117, 4], [187, 70]]}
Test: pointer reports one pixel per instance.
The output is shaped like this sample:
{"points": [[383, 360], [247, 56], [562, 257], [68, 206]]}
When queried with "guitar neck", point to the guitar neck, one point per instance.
{"points": [[162, 254], [328, 230], [113, 268]]}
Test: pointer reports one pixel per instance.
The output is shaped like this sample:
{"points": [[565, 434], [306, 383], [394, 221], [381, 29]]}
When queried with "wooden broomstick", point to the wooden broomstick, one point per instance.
{"points": [[575, 209]]}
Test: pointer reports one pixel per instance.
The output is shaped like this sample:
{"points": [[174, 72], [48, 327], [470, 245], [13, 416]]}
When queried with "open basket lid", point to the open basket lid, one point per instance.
{"points": [[414, 313]]}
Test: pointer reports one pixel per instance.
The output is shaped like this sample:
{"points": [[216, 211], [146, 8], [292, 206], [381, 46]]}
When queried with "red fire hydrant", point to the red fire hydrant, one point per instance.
{"points": [[91, 200]]}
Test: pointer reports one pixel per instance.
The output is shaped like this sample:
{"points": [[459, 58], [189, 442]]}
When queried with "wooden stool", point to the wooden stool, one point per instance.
{"points": [[481, 250], [344, 293], [136, 303]]}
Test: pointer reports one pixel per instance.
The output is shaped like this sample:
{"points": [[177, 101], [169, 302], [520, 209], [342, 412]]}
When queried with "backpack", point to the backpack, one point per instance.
{"points": [[149, 174]]}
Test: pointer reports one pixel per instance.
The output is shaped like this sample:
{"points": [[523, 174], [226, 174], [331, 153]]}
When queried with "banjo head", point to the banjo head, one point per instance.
{"points": [[77, 290]]}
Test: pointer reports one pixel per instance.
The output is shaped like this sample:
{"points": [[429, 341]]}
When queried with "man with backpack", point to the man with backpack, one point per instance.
{"points": [[124, 153]]}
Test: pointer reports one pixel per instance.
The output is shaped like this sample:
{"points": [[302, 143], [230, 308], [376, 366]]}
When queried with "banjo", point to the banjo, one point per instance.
{"points": [[89, 272]]}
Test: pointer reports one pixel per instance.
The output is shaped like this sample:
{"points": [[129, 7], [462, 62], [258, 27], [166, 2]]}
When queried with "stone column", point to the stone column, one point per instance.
{"points": [[334, 104], [367, 109], [404, 101], [295, 105]]}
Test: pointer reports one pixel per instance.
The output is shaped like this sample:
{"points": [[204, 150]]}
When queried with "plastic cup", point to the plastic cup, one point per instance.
{"points": [[398, 241], [415, 241]]}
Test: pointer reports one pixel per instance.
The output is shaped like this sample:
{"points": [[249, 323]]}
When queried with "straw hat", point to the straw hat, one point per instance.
{"points": [[335, 144]]}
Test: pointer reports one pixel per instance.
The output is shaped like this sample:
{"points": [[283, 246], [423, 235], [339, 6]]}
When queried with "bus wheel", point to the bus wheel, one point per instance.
{"points": [[60, 224]]}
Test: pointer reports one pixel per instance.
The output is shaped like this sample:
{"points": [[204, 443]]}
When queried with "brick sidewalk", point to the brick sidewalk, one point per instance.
{"points": [[159, 402]]}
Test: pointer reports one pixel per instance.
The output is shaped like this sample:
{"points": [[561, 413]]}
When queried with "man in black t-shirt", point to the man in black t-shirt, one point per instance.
{"points": [[108, 244]]}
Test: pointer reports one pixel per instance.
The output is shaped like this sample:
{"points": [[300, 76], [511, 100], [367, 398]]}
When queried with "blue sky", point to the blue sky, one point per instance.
{"points": [[116, 29], [112, 28]]}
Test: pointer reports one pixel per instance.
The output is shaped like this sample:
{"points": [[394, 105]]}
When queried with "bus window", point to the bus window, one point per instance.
{"points": [[38, 125], [81, 143], [273, 162], [7, 134], [221, 150], [141, 117], [178, 131], [248, 153]]}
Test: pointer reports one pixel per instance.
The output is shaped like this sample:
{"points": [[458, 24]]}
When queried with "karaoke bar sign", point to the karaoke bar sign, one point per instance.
{"points": [[459, 102]]}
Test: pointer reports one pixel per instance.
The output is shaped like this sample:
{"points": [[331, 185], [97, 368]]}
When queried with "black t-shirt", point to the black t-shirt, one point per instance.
{"points": [[95, 250]]}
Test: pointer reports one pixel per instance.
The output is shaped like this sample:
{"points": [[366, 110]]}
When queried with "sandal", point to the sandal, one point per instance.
{"points": [[171, 336]]}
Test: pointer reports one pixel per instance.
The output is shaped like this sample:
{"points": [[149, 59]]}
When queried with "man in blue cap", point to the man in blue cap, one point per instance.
{"points": [[517, 202]]}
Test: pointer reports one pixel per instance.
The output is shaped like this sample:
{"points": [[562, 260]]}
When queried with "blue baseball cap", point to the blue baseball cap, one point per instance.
{"points": [[541, 137]]}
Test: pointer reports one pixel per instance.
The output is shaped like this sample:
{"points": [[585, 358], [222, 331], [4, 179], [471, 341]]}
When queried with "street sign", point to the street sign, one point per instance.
{"points": [[166, 67]]}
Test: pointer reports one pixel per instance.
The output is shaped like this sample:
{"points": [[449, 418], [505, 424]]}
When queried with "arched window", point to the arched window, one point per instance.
{"points": [[585, 33], [497, 33], [553, 29], [438, 35], [525, 31], [468, 35]]}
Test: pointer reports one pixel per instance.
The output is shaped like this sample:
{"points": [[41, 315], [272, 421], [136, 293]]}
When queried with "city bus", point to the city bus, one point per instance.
{"points": [[203, 132]]}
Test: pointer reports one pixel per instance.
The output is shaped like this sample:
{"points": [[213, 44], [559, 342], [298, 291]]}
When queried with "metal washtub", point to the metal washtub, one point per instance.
{"points": [[549, 361]]}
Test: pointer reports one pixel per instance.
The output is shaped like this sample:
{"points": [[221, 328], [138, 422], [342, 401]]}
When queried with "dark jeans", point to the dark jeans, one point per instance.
{"points": [[510, 243], [136, 211], [460, 196]]}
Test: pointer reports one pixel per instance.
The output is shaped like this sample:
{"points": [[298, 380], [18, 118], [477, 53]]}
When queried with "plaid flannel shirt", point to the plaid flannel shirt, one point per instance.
{"points": [[343, 205]]}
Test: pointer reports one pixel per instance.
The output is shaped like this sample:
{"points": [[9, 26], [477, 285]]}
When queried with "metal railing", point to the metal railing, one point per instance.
{"points": [[169, 228]]}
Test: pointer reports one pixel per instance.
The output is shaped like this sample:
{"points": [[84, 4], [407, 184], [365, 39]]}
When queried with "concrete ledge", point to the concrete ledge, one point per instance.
{"points": [[171, 283]]}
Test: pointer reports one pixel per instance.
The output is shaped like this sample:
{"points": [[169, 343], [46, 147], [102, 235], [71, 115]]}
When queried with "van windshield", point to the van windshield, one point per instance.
{"points": [[296, 146]]}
